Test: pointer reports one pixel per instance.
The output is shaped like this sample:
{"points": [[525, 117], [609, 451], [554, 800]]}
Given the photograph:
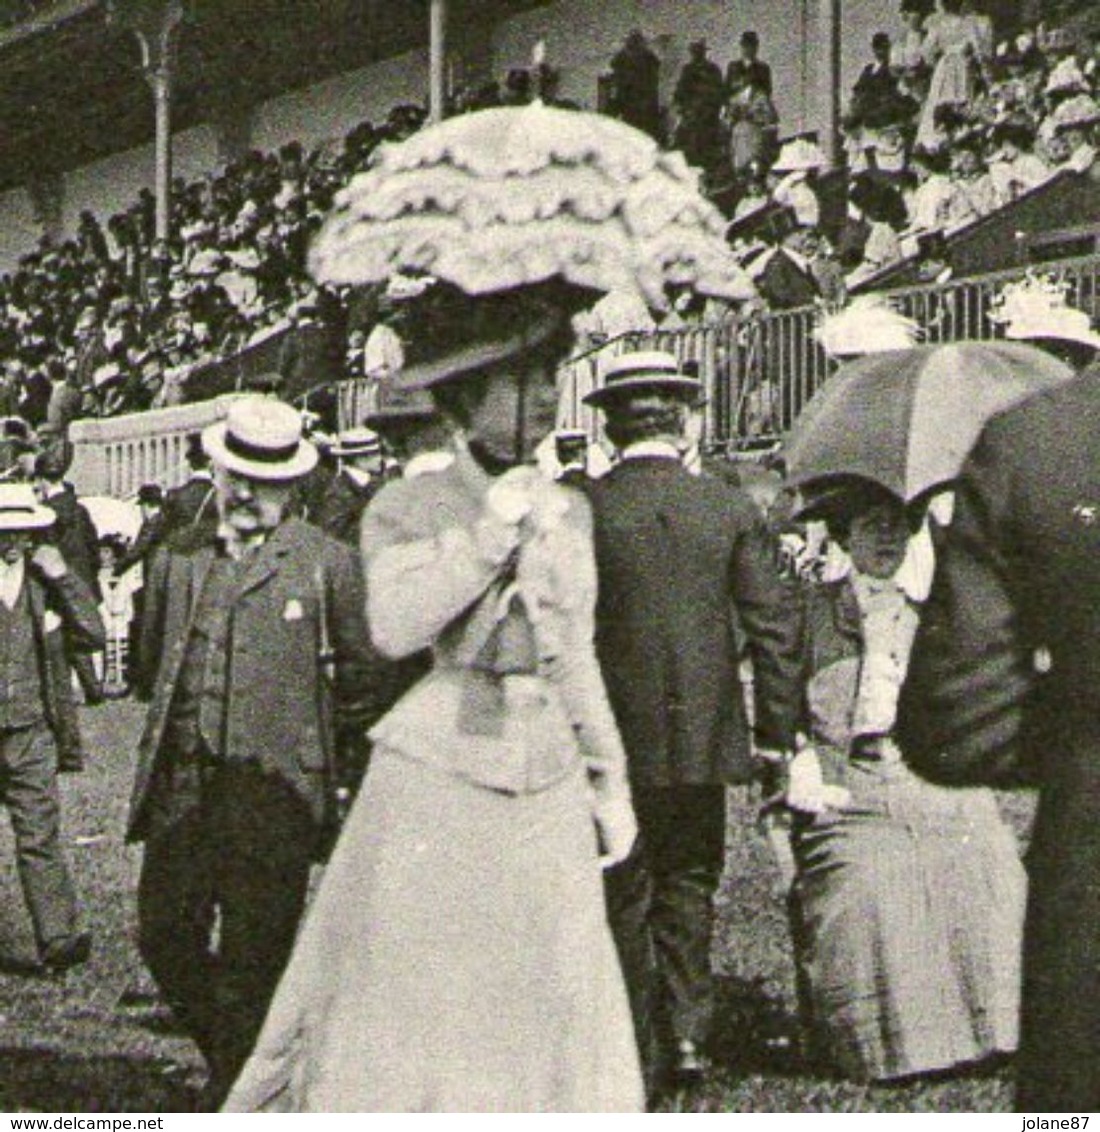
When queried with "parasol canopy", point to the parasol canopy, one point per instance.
{"points": [[516, 195], [907, 419]]}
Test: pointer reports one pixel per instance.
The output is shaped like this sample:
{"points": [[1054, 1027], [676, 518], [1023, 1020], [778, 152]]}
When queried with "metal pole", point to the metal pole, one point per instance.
{"points": [[828, 17], [161, 81], [437, 60]]}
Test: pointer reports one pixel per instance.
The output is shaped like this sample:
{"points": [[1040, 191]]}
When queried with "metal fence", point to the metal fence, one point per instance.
{"points": [[759, 373]]}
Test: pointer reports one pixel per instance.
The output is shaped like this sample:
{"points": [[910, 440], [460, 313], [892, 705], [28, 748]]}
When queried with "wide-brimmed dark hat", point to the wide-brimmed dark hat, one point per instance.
{"points": [[452, 334], [394, 405], [644, 371]]}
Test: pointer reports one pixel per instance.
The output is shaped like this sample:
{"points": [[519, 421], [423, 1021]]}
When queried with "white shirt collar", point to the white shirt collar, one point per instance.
{"points": [[648, 449], [357, 475], [11, 581], [425, 462]]}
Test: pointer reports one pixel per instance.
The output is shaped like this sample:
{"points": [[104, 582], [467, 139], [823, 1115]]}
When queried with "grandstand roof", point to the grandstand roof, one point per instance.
{"points": [[72, 89]]}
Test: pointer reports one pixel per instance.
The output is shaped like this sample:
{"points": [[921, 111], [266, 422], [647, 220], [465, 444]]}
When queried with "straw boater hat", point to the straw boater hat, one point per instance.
{"points": [[1036, 308], [20, 509], [262, 439], [1081, 110], [641, 372], [357, 442]]}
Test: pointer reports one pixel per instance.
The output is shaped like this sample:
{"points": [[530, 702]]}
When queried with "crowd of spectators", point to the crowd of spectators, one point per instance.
{"points": [[943, 126]]}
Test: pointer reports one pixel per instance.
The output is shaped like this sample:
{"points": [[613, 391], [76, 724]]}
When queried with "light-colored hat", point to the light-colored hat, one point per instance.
{"points": [[262, 439], [1036, 307], [640, 371], [357, 442], [20, 509], [400, 286], [867, 325], [1081, 110], [1067, 75], [799, 154]]}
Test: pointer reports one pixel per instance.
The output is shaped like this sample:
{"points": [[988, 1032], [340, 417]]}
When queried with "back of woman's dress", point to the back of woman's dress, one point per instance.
{"points": [[908, 903], [956, 45], [457, 957]]}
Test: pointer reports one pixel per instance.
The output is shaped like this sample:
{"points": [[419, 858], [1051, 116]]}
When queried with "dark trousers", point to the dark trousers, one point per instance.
{"points": [[239, 861], [660, 905], [28, 787]]}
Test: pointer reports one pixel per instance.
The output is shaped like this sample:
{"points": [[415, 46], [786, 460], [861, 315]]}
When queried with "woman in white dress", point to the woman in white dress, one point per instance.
{"points": [[458, 956], [956, 45]]}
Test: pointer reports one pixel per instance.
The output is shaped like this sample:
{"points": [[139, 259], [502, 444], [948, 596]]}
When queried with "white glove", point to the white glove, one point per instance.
{"points": [[511, 496], [806, 789], [618, 830]]}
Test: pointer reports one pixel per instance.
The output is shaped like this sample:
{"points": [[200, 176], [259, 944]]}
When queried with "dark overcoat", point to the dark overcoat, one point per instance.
{"points": [[282, 711], [677, 556], [1004, 687], [343, 505]]}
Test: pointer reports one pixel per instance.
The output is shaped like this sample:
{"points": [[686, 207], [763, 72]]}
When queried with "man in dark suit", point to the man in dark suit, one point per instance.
{"points": [[264, 681], [192, 503], [748, 68], [362, 473], [677, 556], [75, 535], [43, 604], [1002, 689]]}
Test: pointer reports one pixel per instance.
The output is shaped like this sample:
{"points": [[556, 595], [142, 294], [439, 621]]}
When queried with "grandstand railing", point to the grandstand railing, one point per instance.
{"points": [[758, 373], [116, 455]]}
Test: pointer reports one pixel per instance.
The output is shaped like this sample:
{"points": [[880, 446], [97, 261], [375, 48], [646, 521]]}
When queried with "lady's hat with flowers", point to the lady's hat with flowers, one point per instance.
{"points": [[1037, 307]]}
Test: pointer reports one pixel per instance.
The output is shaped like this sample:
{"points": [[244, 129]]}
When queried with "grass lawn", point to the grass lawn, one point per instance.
{"points": [[95, 1040]]}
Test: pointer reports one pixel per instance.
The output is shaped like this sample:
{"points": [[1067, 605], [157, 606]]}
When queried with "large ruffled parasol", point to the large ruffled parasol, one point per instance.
{"points": [[519, 195], [907, 419]]}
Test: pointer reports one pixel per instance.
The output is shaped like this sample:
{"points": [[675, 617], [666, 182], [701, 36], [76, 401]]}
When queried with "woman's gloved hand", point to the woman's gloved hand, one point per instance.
{"points": [[617, 829], [806, 788]]}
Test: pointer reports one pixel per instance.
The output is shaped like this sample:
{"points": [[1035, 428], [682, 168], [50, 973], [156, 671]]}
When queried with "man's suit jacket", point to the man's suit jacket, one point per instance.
{"points": [[190, 503], [74, 534], [676, 556], [69, 600], [343, 505], [281, 710], [1004, 687]]}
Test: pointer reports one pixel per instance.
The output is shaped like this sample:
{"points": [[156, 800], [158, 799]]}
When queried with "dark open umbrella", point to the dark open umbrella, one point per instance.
{"points": [[907, 419]]}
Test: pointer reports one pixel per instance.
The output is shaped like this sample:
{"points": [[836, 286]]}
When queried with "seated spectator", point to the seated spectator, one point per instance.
{"points": [[1016, 168], [975, 194], [885, 211], [794, 176]]}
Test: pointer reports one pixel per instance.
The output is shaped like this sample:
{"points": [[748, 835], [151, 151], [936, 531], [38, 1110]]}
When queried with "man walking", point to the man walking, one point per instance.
{"points": [[42, 601], [677, 556], [264, 679], [75, 535], [362, 472]]}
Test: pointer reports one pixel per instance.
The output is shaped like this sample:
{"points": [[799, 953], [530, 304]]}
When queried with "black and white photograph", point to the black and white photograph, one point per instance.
{"points": [[549, 558]]}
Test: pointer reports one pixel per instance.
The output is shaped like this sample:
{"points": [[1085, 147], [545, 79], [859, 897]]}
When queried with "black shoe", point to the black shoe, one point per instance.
{"points": [[64, 954]]}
